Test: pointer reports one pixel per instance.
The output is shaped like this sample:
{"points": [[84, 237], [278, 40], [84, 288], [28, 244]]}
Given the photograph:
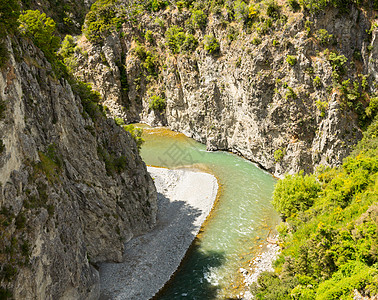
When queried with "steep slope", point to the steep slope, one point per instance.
{"points": [[272, 88], [73, 188]]}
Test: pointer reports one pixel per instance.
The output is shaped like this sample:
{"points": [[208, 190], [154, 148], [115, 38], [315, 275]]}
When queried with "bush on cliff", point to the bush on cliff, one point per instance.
{"points": [[331, 233]]}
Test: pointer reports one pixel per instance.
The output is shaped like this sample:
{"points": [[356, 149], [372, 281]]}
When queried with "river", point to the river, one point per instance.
{"points": [[237, 227]]}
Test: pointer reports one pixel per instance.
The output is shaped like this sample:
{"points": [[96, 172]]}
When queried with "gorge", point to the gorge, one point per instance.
{"points": [[288, 85]]}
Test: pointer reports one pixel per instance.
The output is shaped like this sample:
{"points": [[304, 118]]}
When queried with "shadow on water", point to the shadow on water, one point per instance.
{"points": [[150, 259], [193, 271]]}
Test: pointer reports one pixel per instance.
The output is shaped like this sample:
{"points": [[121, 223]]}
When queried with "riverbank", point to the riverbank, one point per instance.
{"points": [[263, 262], [185, 199]]}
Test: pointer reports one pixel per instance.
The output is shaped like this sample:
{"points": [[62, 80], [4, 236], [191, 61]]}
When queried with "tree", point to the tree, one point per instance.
{"points": [[41, 29], [295, 193], [9, 12]]}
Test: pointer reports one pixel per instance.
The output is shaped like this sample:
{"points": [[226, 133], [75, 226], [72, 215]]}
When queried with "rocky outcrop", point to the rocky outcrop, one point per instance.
{"points": [[72, 189], [248, 98]]}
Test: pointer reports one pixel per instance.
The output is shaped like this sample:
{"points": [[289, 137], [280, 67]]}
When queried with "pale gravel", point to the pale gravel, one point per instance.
{"points": [[185, 199], [263, 262]]}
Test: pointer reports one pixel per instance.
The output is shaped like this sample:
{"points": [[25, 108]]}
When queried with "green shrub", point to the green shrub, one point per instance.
{"points": [[295, 193], [273, 10], [175, 37], [337, 62], [291, 60], [113, 164], [270, 287], [211, 44], [241, 10], [256, 41], [156, 5], [119, 121], [290, 93], [149, 36], [190, 44], [324, 37], [157, 103], [89, 99], [41, 29], [278, 155], [9, 13], [317, 82], [199, 19], [102, 18], [322, 106], [372, 109], [294, 5], [136, 134], [67, 47]]}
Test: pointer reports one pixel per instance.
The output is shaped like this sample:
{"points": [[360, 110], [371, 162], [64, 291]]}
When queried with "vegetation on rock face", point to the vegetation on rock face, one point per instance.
{"points": [[103, 17], [41, 29], [157, 103], [9, 12], [211, 44], [330, 238]]}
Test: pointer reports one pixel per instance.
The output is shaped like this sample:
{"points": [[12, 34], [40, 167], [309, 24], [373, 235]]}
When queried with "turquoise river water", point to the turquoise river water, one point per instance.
{"points": [[239, 223]]}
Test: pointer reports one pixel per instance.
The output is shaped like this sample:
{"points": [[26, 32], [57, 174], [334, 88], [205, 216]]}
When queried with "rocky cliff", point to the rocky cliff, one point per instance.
{"points": [[73, 188], [275, 91]]}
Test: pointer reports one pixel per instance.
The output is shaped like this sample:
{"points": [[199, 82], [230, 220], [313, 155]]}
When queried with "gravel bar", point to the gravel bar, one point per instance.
{"points": [[185, 199]]}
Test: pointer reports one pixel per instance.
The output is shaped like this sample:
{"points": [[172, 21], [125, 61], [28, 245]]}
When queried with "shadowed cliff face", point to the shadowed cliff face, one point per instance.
{"points": [[63, 206], [249, 98]]}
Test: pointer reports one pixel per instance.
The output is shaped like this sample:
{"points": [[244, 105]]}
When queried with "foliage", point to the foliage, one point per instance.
{"points": [[199, 19], [372, 109], [324, 37], [322, 106], [270, 287], [330, 238], [41, 29], [290, 93], [9, 13], [149, 36], [273, 10], [190, 44], [155, 5], [294, 5], [211, 44], [149, 60], [157, 103], [319, 5], [291, 60], [89, 99], [113, 164], [278, 155], [256, 41], [174, 37], [136, 134], [317, 82], [337, 62], [241, 9], [295, 193], [103, 18]]}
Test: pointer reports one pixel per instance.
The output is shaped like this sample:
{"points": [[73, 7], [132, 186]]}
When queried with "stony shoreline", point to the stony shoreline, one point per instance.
{"points": [[262, 262], [185, 199]]}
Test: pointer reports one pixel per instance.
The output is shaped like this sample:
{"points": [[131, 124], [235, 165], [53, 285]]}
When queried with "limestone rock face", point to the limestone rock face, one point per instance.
{"points": [[239, 100], [63, 209]]}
